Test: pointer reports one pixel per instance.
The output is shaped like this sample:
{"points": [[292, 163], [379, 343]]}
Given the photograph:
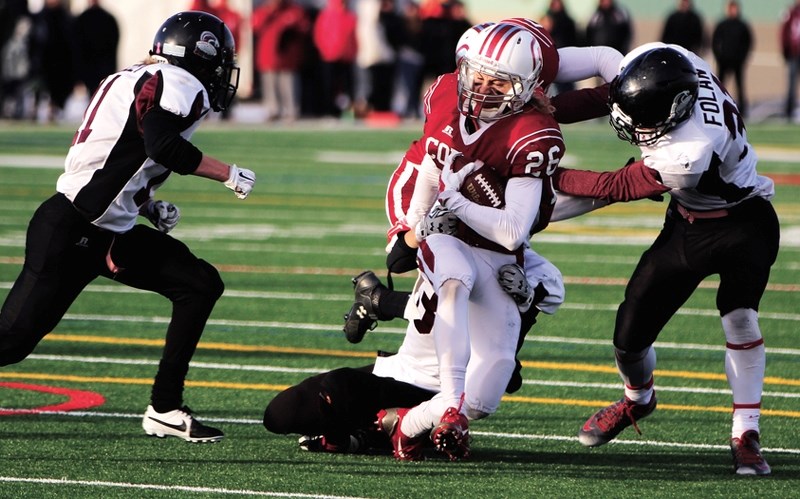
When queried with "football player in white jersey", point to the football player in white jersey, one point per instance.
{"points": [[134, 134], [719, 221]]}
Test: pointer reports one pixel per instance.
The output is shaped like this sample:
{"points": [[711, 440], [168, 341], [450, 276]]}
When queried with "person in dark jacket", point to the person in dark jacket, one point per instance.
{"points": [[97, 38], [610, 25], [684, 27], [731, 44]]}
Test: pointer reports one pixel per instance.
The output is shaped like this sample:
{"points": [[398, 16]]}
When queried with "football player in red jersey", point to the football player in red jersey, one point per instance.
{"points": [[134, 134], [407, 203], [335, 410], [492, 110]]}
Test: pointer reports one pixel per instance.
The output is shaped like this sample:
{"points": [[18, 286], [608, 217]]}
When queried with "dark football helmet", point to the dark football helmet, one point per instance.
{"points": [[201, 44], [653, 93]]}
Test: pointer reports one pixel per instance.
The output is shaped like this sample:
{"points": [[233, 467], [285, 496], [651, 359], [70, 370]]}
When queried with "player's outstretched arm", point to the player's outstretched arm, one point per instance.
{"points": [[239, 180], [633, 181]]}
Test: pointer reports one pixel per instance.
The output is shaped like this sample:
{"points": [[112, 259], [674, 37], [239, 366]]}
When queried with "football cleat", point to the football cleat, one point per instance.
{"points": [[404, 448], [363, 315], [747, 458], [451, 435], [178, 423], [608, 422], [319, 443]]}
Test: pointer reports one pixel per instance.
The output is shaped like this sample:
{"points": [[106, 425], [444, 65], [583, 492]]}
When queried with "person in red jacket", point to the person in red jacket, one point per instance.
{"points": [[281, 29], [334, 36], [790, 43]]}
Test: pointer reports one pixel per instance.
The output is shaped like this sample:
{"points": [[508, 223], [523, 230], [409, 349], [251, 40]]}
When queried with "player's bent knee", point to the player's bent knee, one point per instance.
{"points": [[741, 326], [213, 286], [474, 414]]}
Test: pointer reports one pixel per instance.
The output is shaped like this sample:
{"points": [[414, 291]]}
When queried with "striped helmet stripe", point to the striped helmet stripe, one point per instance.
{"points": [[498, 38]]}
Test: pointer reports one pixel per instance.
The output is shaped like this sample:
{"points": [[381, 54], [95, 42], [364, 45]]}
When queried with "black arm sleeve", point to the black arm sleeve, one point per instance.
{"points": [[164, 145]]}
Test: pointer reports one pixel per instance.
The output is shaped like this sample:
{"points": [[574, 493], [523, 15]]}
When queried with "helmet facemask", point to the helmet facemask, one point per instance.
{"points": [[493, 105], [648, 135], [499, 52]]}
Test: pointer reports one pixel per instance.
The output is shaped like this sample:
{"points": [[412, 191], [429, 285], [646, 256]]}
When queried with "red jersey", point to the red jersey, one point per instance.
{"points": [[525, 144]]}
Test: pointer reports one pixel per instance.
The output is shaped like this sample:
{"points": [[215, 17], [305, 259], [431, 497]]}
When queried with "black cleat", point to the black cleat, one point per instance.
{"points": [[363, 315]]}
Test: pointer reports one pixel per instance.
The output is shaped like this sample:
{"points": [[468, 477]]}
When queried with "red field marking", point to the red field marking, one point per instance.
{"points": [[784, 178], [77, 399]]}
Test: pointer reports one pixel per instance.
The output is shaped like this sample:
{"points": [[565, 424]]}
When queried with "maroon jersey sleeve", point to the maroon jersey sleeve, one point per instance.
{"points": [[581, 105], [634, 181]]}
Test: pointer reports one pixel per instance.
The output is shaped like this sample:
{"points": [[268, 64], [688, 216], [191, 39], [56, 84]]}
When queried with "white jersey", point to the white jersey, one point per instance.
{"points": [[108, 175], [707, 160]]}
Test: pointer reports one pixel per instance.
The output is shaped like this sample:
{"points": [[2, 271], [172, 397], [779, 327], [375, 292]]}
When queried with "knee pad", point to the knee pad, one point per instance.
{"points": [[626, 357], [636, 368], [741, 326]]}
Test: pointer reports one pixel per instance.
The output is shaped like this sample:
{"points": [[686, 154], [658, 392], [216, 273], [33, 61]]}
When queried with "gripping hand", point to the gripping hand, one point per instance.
{"points": [[439, 220], [454, 171], [241, 181], [513, 281], [163, 215]]}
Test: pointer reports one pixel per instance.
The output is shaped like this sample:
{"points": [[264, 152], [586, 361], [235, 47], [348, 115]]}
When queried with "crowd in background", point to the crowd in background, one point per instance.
{"points": [[369, 59]]}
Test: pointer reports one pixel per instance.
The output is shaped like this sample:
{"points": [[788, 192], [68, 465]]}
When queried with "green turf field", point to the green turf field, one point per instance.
{"points": [[287, 254]]}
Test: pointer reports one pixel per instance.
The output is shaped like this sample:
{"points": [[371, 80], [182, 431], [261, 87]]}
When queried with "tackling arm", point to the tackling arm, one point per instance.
{"points": [[633, 181]]}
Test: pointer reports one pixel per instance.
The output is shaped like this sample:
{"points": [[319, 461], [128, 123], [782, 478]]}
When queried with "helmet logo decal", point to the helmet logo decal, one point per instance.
{"points": [[207, 46], [172, 49]]}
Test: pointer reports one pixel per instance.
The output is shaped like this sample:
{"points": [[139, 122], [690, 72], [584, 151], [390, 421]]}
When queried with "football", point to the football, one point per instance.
{"points": [[485, 187]]}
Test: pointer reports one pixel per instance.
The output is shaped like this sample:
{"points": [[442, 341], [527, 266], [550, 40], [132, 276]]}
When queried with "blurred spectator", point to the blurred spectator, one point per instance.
{"points": [[684, 27], [10, 12], [220, 8], [202, 6], [375, 60], [232, 19], [334, 36], [54, 44], [731, 44], [382, 75], [564, 32], [790, 43], [442, 26], [610, 25], [281, 29], [97, 38], [16, 71], [410, 63]]}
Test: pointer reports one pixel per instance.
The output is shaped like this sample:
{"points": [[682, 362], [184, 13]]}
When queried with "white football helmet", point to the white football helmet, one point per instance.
{"points": [[466, 39], [503, 52]]}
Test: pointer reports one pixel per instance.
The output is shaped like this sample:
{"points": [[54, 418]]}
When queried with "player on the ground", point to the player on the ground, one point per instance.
{"points": [[134, 134]]}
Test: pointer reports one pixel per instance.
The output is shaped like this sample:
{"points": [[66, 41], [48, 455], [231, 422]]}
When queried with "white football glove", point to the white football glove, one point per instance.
{"points": [[450, 181], [513, 281], [163, 215], [241, 181], [439, 220]]}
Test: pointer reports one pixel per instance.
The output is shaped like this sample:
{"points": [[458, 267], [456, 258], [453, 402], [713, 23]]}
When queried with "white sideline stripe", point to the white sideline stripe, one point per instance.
{"points": [[616, 441], [329, 327], [524, 436], [293, 370], [196, 365], [181, 488], [272, 295], [661, 388]]}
